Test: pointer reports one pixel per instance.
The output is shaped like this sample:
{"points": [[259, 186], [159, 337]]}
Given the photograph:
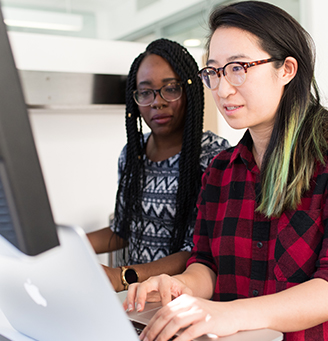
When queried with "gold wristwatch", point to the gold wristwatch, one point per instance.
{"points": [[128, 276]]}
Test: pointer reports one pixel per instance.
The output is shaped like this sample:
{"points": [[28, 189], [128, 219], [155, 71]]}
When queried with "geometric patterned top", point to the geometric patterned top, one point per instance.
{"points": [[159, 200]]}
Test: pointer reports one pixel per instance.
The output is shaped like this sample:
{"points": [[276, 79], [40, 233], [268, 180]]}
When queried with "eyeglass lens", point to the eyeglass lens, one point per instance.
{"points": [[169, 92], [234, 73]]}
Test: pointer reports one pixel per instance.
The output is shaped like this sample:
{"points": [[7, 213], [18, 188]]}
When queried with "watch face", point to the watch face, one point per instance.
{"points": [[131, 276]]}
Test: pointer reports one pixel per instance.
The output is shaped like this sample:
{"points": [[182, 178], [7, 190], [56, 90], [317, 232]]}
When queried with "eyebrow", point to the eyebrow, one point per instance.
{"points": [[165, 80], [230, 59]]}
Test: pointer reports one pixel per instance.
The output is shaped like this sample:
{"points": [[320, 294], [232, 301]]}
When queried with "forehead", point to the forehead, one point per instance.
{"points": [[155, 69], [232, 44]]}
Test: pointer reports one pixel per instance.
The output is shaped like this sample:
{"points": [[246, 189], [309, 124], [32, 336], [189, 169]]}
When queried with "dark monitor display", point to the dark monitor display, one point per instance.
{"points": [[26, 219]]}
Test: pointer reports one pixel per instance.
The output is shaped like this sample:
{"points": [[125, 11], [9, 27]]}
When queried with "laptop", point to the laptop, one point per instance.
{"points": [[64, 294]]}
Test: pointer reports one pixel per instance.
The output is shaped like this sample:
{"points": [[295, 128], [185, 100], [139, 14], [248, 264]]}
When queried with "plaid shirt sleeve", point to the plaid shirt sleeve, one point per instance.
{"points": [[322, 261]]}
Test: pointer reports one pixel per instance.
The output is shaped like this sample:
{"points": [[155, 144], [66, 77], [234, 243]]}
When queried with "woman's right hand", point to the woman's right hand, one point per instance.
{"points": [[161, 288], [196, 315]]}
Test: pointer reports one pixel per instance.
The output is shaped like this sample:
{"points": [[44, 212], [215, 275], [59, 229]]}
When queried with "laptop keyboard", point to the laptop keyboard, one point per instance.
{"points": [[139, 328]]}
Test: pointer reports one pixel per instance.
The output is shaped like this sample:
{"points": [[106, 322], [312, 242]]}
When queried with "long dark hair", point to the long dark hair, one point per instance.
{"points": [[299, 136], [129, 195]]}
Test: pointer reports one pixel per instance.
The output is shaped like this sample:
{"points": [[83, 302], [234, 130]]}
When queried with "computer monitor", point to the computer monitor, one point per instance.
{"points": [[26, 219]]}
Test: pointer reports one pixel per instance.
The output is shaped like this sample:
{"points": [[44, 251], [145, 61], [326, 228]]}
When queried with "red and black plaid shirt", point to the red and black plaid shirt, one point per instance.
{"points": [[253, 255]]}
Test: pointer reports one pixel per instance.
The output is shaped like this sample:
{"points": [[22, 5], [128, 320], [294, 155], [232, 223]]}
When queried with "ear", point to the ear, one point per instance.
{"points": [[289, 69]]}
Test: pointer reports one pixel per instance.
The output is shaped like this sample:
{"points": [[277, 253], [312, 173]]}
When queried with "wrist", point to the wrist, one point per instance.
{"points": [[128, 276], [114, 275], [118, 280], [248, 314]]}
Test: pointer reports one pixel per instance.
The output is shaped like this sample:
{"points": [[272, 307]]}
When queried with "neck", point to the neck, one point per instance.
{"points": [[161, 148], [260, 145]]}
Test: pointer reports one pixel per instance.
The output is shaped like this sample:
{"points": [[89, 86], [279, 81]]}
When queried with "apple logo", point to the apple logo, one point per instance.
{"points": [[34, 293]]}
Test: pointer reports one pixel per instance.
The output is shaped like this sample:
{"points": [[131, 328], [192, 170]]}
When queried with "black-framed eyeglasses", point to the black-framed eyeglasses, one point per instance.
{"points": [[169, 92], [234, 72]]}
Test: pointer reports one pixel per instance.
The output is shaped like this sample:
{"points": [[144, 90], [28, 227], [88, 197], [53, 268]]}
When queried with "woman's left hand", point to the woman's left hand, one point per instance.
{"points": [[197, 315]]}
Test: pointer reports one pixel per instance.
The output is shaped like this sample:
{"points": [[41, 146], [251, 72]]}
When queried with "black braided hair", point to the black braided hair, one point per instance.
{"points": [[130, 190]]}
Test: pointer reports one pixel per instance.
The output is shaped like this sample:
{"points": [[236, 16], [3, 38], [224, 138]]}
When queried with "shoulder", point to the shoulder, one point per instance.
{"points": [[123, 155], [211, 145], [211, 140], [221, 160], [220, 167]]}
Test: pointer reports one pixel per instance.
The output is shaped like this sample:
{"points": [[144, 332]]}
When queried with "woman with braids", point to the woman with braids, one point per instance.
{"points": [[160, 172], [261, 234]]}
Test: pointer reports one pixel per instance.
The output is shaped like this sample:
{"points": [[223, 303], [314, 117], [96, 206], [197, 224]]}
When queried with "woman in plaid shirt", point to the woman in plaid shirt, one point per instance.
{"points": [[261, 235]]}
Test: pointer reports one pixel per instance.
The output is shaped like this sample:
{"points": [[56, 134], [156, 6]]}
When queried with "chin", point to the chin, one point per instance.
{"points": [[236, 125]]}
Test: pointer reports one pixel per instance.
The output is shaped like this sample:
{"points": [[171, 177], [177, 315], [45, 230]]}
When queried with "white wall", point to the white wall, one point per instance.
{"points": [[78, 153], [78, 148], [41, 52], [314, 20], [126, 11]]}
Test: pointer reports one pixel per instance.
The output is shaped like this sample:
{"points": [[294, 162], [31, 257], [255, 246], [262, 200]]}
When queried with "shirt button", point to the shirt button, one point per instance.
{"points": [[259, 245], [255, 292]]}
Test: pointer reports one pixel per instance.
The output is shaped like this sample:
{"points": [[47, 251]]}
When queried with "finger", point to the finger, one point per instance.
{"points": [[150, 330], [195, 330], [168, 320], [129, 302], [144, 288], [157, 324]]}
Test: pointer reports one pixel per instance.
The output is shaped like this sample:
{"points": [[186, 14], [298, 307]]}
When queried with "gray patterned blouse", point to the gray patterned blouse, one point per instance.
{"points": [[159, 199]]}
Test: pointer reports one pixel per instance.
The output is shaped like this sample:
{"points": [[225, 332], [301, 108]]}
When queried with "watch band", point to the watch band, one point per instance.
{"points": [[128, 276]]}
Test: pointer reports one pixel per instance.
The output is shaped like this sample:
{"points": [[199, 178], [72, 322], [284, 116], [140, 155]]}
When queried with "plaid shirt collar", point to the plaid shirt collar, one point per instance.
{"points": [[243, 150]]}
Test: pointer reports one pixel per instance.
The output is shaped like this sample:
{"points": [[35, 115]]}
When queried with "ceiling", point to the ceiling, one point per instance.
{"points": [[132, 20]]}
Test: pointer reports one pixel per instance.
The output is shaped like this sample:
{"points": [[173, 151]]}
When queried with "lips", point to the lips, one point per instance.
{"points": [[161, 118], [233, 107], [230, 108]]}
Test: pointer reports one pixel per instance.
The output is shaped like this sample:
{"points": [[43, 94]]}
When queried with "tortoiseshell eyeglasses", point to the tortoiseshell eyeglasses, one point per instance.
{"points": [[234, 72]]}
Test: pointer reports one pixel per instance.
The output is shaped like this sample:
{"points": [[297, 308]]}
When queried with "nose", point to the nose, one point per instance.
{"points": [[225, 89], [159, 100]]}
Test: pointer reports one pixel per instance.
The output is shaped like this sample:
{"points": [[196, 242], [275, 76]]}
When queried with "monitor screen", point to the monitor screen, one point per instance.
{"points": [[26, 219]]}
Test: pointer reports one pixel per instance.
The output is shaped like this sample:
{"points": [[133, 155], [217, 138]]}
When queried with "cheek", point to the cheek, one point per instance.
{"points": [[268, 97], [216, 99], [144, 112], [180, 108], [265, 89]]}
